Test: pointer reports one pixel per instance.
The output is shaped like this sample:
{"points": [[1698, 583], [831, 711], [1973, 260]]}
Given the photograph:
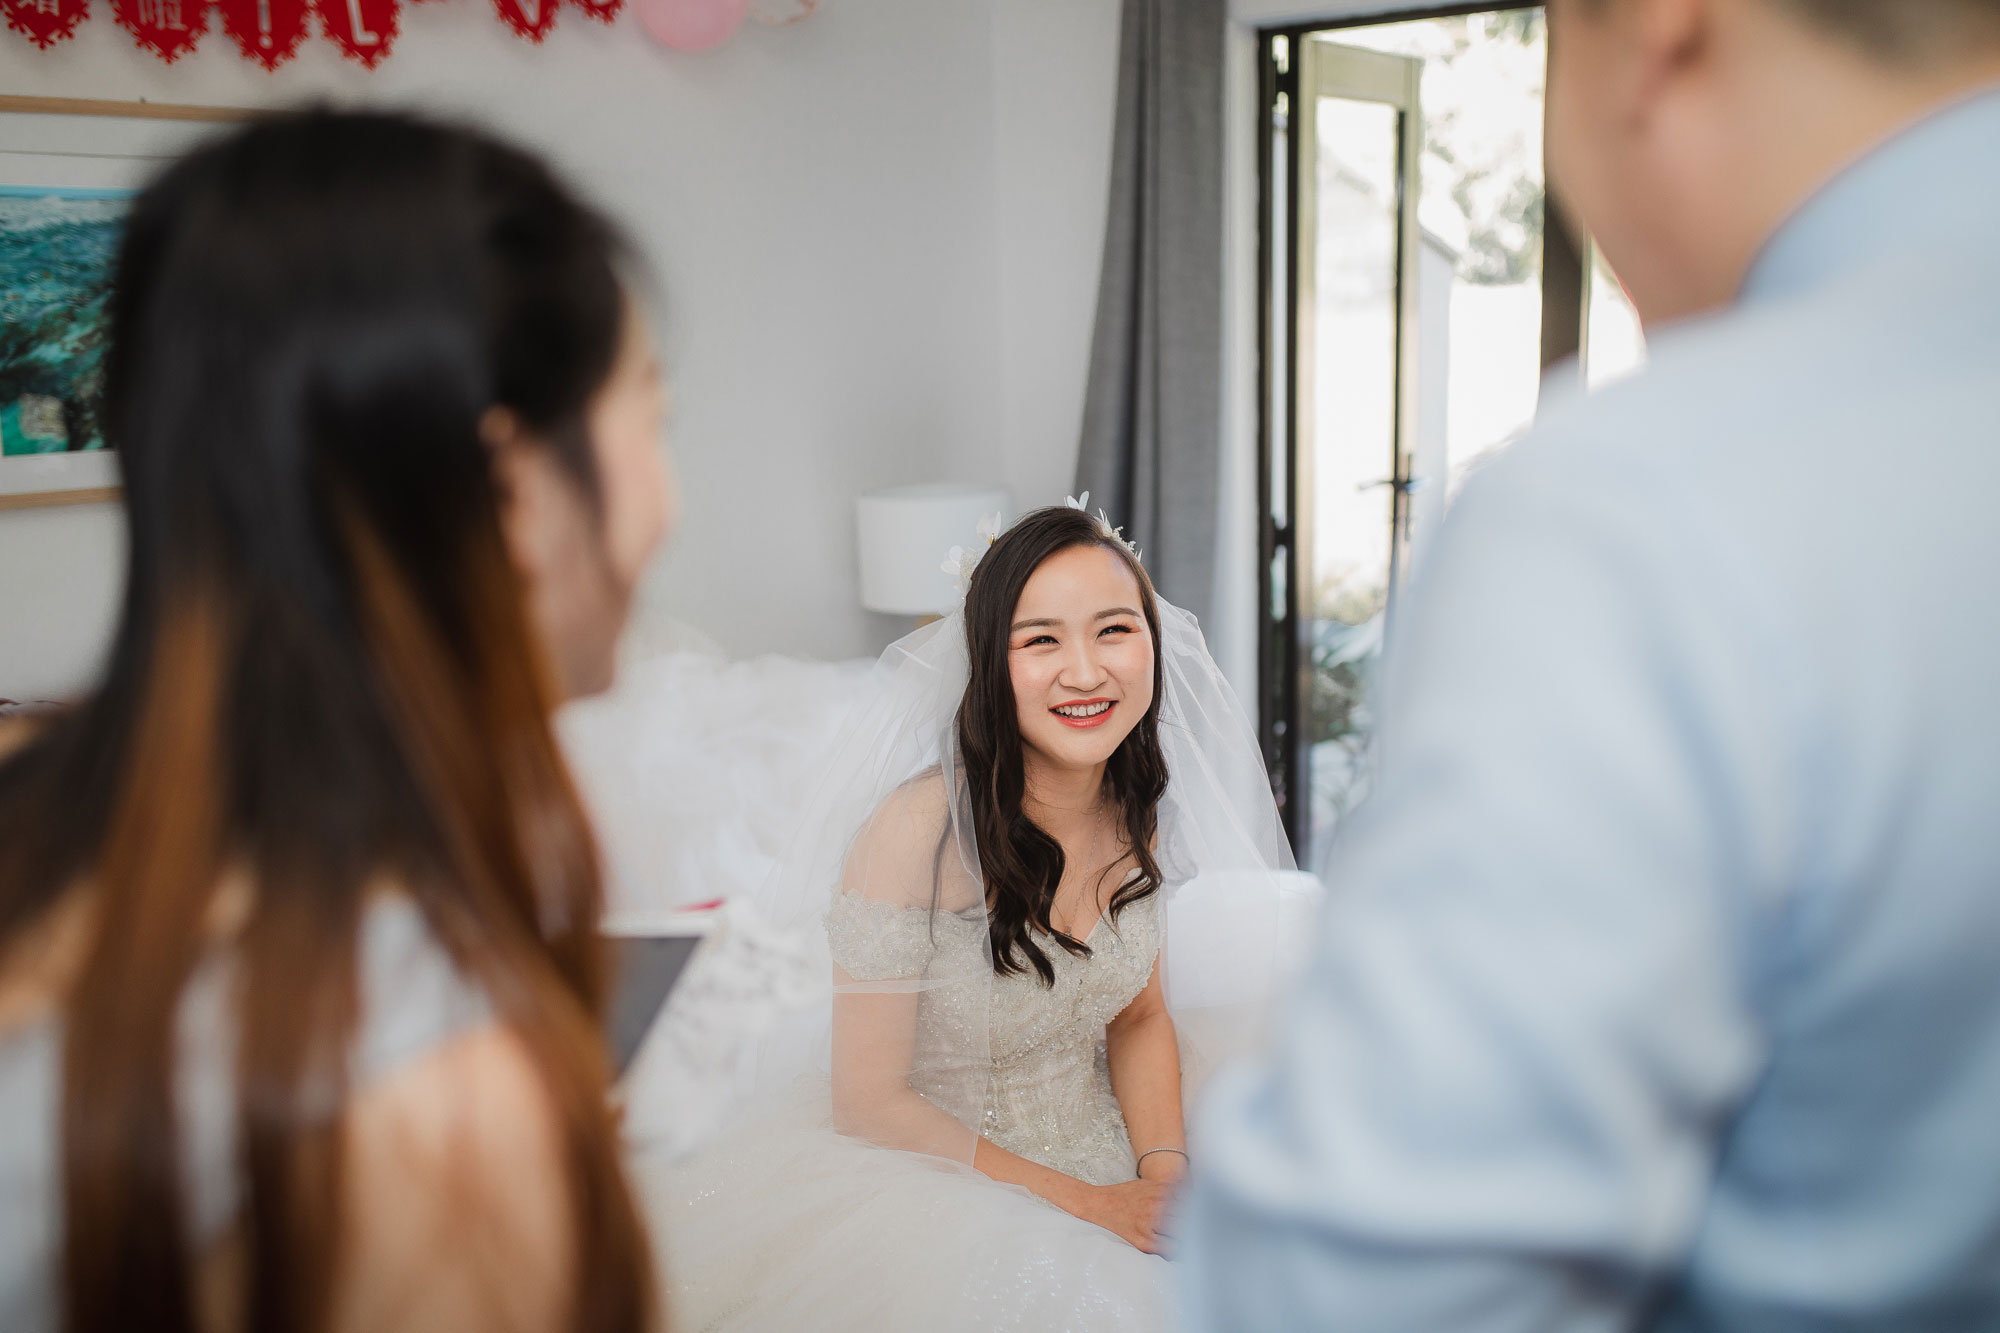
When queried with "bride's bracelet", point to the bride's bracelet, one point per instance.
{"points": [[1140, 1161]]}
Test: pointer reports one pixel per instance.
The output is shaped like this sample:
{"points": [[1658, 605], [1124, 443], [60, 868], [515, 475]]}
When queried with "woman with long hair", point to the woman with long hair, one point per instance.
{"points": [[998, 1130], [299, 975]]}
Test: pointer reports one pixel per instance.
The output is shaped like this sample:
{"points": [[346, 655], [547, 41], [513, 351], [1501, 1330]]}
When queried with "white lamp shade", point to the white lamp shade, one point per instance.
{"points": [[906, 532]]}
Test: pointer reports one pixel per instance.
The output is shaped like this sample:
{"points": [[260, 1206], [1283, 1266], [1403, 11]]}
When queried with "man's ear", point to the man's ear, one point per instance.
{"points": [[1670, 38]]}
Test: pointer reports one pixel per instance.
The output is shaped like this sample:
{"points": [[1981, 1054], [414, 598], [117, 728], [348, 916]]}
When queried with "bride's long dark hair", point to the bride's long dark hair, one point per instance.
{"points": [[1022, 864]]}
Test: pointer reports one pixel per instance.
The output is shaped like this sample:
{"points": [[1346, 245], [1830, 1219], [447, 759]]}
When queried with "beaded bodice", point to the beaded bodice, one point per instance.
{"points": [[1048, 1085]]}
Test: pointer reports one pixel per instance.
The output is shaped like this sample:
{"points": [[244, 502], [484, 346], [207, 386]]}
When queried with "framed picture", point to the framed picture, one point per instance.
{"points": [[67, 171]]}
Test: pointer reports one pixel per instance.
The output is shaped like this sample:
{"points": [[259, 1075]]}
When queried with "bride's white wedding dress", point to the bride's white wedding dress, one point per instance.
{"points": [[784, 1224]]}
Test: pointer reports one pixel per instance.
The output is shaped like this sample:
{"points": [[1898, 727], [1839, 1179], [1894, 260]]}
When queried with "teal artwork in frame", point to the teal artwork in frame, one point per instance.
{"points": [[69, 171], [57, 246]]}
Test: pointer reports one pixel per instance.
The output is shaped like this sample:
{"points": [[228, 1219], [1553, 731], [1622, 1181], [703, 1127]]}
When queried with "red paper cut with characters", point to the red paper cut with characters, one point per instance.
{"points": [[271, 32], [167, 28], [530, 18], [45, 22], [364, 30], [267, 31]]}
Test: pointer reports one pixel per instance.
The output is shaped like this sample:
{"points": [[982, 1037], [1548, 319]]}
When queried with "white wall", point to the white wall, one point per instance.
{"points": [[876, 233], [60, 571], [1056, 81]]}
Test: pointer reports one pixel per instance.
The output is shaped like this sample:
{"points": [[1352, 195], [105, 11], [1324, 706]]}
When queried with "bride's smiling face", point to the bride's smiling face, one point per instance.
{"points": [[1080, 657]]}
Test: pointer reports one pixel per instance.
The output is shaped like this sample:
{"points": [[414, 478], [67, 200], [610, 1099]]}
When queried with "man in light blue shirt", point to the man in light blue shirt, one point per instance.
{"points": [[1661, 981]]}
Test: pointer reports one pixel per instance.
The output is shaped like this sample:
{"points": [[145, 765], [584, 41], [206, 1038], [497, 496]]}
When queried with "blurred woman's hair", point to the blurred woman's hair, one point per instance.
{"points": [[323, 682], [1022, 863]]}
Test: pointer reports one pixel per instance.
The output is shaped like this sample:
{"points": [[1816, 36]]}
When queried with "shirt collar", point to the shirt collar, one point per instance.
{"points": [[1936, 182]]}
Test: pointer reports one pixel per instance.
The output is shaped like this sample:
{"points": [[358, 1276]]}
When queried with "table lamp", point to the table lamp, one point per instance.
{"points": [[905, 534]]}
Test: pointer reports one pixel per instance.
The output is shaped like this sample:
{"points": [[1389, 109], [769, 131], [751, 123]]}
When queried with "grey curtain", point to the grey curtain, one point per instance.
{"points": [[1151, 448]]}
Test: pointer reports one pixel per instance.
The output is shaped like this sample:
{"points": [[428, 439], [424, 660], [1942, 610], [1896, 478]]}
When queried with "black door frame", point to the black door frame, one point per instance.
{"points": [[1279, 640]]}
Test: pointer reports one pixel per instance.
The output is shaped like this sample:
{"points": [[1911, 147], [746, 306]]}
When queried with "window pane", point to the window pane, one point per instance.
{"points": [[1354, 434], [1482, 207]]}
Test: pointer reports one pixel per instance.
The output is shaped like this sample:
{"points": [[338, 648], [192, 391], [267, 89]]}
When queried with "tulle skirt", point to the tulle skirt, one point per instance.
{"points": [[785, 1225]]}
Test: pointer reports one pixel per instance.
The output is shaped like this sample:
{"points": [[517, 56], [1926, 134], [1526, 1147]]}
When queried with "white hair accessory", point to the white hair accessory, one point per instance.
{"points": [[1103, 522], [960, 561]]}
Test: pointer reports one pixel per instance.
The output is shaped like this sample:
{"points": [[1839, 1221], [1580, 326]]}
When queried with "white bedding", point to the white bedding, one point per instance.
{"points": [[696, 770]]}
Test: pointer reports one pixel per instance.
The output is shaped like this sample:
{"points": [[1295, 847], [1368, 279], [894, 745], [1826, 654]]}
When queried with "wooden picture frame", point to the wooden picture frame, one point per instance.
{"points": [[65, 166]]}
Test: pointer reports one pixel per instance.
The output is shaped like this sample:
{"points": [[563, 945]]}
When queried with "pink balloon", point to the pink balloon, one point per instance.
{"points": [[692, 25]]}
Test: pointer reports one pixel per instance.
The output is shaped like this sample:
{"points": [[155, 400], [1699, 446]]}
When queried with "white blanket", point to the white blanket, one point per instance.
{"points": [[696, 770]]}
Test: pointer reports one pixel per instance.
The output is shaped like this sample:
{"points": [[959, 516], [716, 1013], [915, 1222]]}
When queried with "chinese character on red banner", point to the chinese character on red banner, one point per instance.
{"points": [[268, 31], [364, 29], [45, 22], [167, 28]]}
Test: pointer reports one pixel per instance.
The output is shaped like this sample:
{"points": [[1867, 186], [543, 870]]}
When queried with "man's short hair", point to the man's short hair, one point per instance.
{"points": [[1903, 30]]}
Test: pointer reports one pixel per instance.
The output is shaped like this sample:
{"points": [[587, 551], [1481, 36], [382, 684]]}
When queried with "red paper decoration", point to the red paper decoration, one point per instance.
{"points": [[45, 22], [363, 29], [267, 31], [531, 18], [167, 28], [270, 32]]}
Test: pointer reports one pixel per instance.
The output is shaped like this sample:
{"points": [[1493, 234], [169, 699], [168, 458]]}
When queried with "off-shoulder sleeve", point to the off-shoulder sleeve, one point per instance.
{"points": [[907, 908], [873, 940]]}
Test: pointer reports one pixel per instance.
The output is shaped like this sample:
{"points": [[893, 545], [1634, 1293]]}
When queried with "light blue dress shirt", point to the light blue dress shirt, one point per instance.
{"points": [[1660, 985]]}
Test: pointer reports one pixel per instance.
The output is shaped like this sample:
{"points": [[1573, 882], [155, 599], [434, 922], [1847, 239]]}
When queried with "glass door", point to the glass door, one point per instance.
{"points": [[1416, 292], [1356, 330]]}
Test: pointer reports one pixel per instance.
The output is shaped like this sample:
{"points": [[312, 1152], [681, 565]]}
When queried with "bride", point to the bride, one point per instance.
{"points": [[997, 1133]]}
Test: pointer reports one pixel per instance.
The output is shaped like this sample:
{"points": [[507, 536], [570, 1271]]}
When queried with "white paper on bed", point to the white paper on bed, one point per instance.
{"points": [[689, 1073]]}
